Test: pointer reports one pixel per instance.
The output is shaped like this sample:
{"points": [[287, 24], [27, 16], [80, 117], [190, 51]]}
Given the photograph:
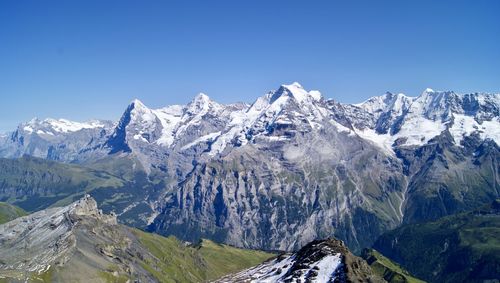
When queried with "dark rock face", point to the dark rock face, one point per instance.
{"points": [[117, 142]]}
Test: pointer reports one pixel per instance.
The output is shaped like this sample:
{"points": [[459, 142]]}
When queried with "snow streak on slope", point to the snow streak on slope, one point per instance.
{"points": [[278, 270], [169, 118], [466, 125], [205, 138], [320, 261]]}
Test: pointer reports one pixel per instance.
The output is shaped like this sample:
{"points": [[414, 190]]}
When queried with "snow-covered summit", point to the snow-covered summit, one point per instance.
{"points": [[52, 126], [296, 91], [137, 103], [139, 110], [416, 120], [389, 102], [201, 104]]}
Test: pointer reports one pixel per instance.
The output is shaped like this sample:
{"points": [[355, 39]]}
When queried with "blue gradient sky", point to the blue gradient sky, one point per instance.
{"points": [[89, 59]]}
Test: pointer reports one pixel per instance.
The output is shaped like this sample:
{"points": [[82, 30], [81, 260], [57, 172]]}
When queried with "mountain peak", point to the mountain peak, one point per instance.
{"points": [[50, 126], [200, 103], [294, 85], [137, 104], [296, 91], [34, 120], [201, 96]]}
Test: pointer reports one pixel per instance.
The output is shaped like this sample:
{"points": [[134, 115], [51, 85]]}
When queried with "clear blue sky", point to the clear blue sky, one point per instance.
{"points": [[89, 59]]}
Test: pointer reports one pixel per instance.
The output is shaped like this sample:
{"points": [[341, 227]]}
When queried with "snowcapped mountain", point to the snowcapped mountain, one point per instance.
{"points": [[166, 127], [394, 120], [52, 126], [220, 125], [388, 120], [292, 166], [60, 139]]}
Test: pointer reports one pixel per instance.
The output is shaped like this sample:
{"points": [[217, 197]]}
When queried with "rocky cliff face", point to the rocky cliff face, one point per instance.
{"points": [[257, 198], [294, 166]]}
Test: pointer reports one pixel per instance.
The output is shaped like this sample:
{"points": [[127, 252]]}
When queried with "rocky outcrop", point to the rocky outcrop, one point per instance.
{"points": [[320, 261], [35, 242], [78, 243], [87, 207]]}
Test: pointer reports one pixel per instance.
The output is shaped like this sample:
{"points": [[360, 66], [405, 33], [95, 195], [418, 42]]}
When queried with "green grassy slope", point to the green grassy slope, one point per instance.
{"points": [[457, 248], [204, 261], [34, 184], [10, 212], [116, 253], [387, 269], [450, 179]]}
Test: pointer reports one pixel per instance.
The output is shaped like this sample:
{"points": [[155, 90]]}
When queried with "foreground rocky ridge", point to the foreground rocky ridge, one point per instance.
{"points": [[40, 240], [78, 243], [293, 166], [320, 261]]}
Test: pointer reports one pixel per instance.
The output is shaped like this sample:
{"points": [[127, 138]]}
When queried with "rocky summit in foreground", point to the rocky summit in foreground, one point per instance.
{"points": [[35, 242], [78, 243], [319, 261]]}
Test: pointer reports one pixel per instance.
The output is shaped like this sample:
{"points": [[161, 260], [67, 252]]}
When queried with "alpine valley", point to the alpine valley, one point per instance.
{"points": [[290, 168]]}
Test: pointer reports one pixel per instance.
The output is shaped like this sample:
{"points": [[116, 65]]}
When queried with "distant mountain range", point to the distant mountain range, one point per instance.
{"points": [[289, 168]]}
